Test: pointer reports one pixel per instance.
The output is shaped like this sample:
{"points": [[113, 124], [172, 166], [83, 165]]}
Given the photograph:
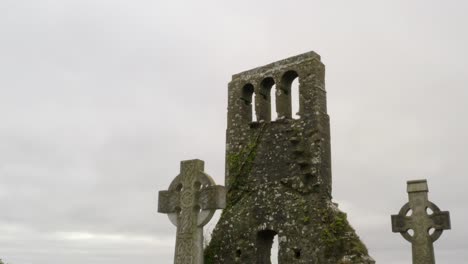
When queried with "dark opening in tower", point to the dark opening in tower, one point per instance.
{"points": [[265, 240], [247, 97], [288, 96], [263, 100]]}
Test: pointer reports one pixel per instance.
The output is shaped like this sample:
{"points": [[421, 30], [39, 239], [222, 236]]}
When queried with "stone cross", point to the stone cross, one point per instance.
{"points": [[424, 218], [190, 203]]}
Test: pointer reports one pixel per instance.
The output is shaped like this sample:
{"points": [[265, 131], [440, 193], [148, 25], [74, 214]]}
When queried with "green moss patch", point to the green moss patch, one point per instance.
{"points": [[240, 164], [340, 238]]}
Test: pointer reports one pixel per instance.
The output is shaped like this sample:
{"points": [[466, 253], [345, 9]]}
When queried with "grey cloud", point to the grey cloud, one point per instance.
{"points": [[100, 100]]}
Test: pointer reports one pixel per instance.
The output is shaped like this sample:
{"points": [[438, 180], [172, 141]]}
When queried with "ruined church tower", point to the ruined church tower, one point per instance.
{"points": [[278, 173]]}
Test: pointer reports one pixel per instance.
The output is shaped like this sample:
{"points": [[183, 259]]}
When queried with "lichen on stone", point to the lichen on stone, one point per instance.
{"points": [[278, 174]]}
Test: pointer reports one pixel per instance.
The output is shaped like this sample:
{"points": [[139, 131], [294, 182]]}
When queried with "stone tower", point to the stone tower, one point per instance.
{"points": [[278, 173]]}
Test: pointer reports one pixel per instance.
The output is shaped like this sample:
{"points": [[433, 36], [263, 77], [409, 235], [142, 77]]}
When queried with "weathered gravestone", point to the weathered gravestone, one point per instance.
{"points": [[190, 203], [427, 227], [278, 173]]}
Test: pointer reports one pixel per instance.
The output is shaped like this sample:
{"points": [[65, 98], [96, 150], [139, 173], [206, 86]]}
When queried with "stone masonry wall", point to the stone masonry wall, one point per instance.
{"points": [[278, 173]]}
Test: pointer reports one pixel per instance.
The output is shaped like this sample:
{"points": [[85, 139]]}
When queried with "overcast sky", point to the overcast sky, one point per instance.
{"points": [[101, 99]]}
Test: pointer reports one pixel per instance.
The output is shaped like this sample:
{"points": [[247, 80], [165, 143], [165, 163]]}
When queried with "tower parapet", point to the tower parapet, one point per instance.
{"points": [[290, 149]]}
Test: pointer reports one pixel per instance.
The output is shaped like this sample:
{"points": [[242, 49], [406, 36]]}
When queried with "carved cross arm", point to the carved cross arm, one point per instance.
{"points": [[168, 202], [213, 197], [400, 223], [441, 220]]}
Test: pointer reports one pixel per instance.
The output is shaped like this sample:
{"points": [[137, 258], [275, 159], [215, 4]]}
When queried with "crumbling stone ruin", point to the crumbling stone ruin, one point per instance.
{"points": [[278, 173]]}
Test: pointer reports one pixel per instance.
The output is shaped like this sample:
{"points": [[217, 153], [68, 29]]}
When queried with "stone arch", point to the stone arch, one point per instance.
{"points": [[287, 92], [247, 97], [264, 245], [263, 99]]}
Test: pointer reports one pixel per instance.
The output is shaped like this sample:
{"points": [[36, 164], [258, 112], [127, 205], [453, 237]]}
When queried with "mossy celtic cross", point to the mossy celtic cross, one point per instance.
{"points": [[427, 227], [190, 202]]}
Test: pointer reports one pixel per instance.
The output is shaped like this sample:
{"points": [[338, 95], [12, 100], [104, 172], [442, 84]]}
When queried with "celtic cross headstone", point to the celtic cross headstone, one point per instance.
{"points": [[425, 220], [190, 202]]}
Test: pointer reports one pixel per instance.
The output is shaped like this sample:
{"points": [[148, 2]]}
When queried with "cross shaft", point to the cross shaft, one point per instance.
{"points": [[190, 203], [427, 227]]}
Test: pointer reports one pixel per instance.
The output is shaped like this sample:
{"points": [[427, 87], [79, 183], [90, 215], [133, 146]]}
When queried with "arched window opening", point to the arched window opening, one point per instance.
{"points": [[263, 100], [295, 98], [265, 241], [247, 97], [288, 96], [274, 114], [253, 113]]}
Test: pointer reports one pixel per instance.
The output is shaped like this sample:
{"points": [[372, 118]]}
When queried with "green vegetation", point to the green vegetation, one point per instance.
{"points": [[240, 164], [210, 252], [340, 238]]}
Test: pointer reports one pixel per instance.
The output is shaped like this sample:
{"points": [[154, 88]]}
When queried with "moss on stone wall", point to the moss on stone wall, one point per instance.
{"points": [[210, 252], [240, 164], [340, 238]]}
